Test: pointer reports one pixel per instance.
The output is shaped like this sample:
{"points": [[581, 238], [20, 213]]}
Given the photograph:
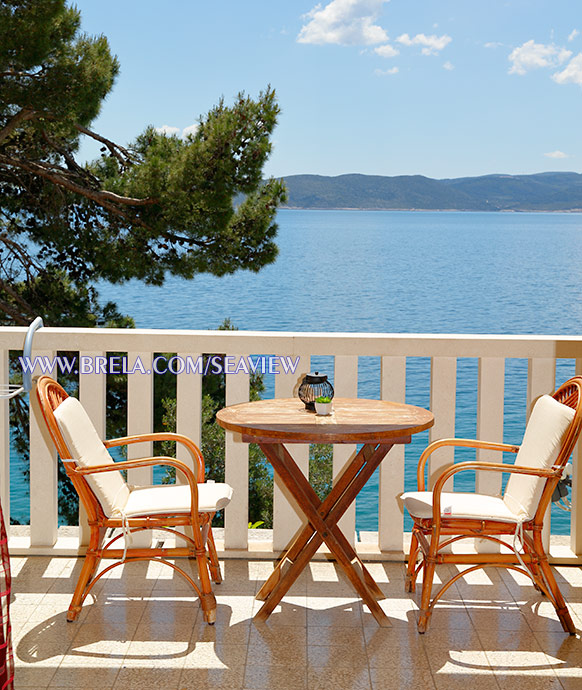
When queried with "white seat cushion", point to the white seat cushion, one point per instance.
{"points": [[541, 444], [459, 505], [87, 449], [175, 498]]}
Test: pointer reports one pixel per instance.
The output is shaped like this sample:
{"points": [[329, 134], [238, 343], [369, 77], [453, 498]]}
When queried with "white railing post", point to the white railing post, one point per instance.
{"points": [[489, 428], [92, 394], [576, 516], [236, 467], [541, 378], [390, 516], [286, 520], [188, 410], [140, 419], [443, 394], [5, 442], [43, 472], [345, 379]]}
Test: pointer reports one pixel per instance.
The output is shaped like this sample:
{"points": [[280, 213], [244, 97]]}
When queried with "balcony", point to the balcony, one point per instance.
{"points": [[143, 627]]}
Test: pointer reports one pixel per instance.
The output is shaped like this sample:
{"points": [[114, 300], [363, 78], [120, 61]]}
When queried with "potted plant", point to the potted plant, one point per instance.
{"points": [[323, 405]]}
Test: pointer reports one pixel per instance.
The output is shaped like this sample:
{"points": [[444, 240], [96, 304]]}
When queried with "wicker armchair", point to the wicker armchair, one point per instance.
{"points": [[514, 520], [112, 503]]}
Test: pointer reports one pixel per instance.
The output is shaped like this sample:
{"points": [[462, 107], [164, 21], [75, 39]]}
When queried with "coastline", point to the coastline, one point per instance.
{"points": [[427, 210]]}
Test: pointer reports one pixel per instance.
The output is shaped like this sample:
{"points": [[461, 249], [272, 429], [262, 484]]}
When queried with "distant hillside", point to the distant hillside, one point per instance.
{"points": [[551, 191]]}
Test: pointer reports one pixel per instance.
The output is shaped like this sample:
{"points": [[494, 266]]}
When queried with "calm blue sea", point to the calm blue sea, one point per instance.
{"points": [[388, 272]]}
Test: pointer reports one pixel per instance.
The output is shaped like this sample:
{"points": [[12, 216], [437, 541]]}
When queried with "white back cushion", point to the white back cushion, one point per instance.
{"points": [[541, 444], [87, 449]]}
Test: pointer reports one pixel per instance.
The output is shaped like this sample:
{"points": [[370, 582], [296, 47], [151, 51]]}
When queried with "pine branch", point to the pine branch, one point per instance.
{"points": [[20, 117]]}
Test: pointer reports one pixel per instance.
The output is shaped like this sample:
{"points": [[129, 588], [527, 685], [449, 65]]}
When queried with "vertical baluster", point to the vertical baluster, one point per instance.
{"points": [[188, 409], [5, 442], [541, 379], [489, 428], [236, 515], [346, 386], [43, 472], [92, 395], [286, 520], [443, 389], [576, 515], [140, 418], [390, 518]]}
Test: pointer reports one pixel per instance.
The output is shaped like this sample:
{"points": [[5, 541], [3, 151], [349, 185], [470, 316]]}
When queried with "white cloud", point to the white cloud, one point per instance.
{"points": [[556, 154], [531, 55], [344, 22], [448, 65], [493, 44], [572, 35], [176, 131], [572, 73], [167, 130], [387, 51], [192, 129], [385, 72], [432, 44]]}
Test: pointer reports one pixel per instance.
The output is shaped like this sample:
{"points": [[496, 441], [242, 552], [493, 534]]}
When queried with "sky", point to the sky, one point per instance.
{"points": [[442, 88]]}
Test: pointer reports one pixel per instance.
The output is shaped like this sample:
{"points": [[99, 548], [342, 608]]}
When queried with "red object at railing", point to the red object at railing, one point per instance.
{"points": [[6, 654]]}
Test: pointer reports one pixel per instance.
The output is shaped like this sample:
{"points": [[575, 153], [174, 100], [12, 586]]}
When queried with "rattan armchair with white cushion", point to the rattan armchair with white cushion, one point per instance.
{"points": [[110, 502], [514, 520]]}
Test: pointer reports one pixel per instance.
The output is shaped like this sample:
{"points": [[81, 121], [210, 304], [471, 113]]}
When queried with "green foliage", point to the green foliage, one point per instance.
{"points": [[323, 399], [159, 206], [320, 468]]}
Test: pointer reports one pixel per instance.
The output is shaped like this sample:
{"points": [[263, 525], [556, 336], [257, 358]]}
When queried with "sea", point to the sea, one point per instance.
{"points": [[391, 272]]}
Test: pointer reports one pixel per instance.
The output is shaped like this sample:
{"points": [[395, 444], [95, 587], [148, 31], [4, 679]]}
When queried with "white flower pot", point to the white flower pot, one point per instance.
{"points": [[323, 408]]}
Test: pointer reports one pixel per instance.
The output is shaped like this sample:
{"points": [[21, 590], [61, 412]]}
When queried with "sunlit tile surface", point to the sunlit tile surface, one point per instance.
{"points": [[143, 629]]}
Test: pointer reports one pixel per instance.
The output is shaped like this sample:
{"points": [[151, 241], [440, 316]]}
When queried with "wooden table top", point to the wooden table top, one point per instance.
{"points": [[353, 420]]}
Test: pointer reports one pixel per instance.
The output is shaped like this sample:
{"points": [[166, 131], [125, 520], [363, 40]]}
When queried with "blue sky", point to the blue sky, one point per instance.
{"points": [[443, 88]]}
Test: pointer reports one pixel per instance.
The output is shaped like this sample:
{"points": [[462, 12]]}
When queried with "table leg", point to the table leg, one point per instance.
{"points": [[299, 542], [326, 528]]}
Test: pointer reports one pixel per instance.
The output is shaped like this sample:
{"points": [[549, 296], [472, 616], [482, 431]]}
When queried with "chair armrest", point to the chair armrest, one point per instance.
{"points": [[163, 436], [487, 467], [459, 442], [148, 462]]}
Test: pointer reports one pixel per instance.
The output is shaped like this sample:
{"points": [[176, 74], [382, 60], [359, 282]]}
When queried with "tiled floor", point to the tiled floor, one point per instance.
{"points": [[144, 630]]}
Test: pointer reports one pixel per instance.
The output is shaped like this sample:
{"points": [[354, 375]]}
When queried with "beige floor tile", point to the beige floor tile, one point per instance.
{"points": [[462, 662], [284, 651], [401, 678], [528, 680], [318, 635], [290, 611], [33, 676], [462, 681], [498, 619], [280, 677], [278, 634], [227, 678], [141, 678], [333, 678], [155, 653], [77, 676], [215, 655], [337, 656], [390, 648], [340, 611], [237, 633]]}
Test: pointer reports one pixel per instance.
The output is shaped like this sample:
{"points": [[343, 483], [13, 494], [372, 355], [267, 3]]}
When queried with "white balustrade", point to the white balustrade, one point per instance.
{"points": [[491, 351]]}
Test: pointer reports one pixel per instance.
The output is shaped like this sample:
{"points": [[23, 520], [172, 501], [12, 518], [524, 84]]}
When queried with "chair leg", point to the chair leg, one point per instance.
{"points": [[424, 613], [207, 598], [558, 600], [214, 565], [90, 564], [410, 583]]}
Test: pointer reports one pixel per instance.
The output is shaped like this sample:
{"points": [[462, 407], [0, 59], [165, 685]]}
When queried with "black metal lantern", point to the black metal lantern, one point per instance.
{"points": [[314, 385]]}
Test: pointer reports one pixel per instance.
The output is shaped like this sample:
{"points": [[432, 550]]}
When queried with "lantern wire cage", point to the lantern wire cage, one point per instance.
{"points": [[314, 386]]}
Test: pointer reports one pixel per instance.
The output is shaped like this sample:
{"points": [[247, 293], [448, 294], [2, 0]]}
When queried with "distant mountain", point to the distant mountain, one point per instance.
{"points": [[551, 191]]}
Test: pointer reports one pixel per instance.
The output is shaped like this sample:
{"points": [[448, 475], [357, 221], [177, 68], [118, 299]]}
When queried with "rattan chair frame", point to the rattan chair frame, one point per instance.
{"points": [[199, 543], [432, 536]]}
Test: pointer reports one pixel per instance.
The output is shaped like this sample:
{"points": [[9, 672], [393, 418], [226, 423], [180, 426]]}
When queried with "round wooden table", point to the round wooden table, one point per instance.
{"points": [[377, 424]]}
